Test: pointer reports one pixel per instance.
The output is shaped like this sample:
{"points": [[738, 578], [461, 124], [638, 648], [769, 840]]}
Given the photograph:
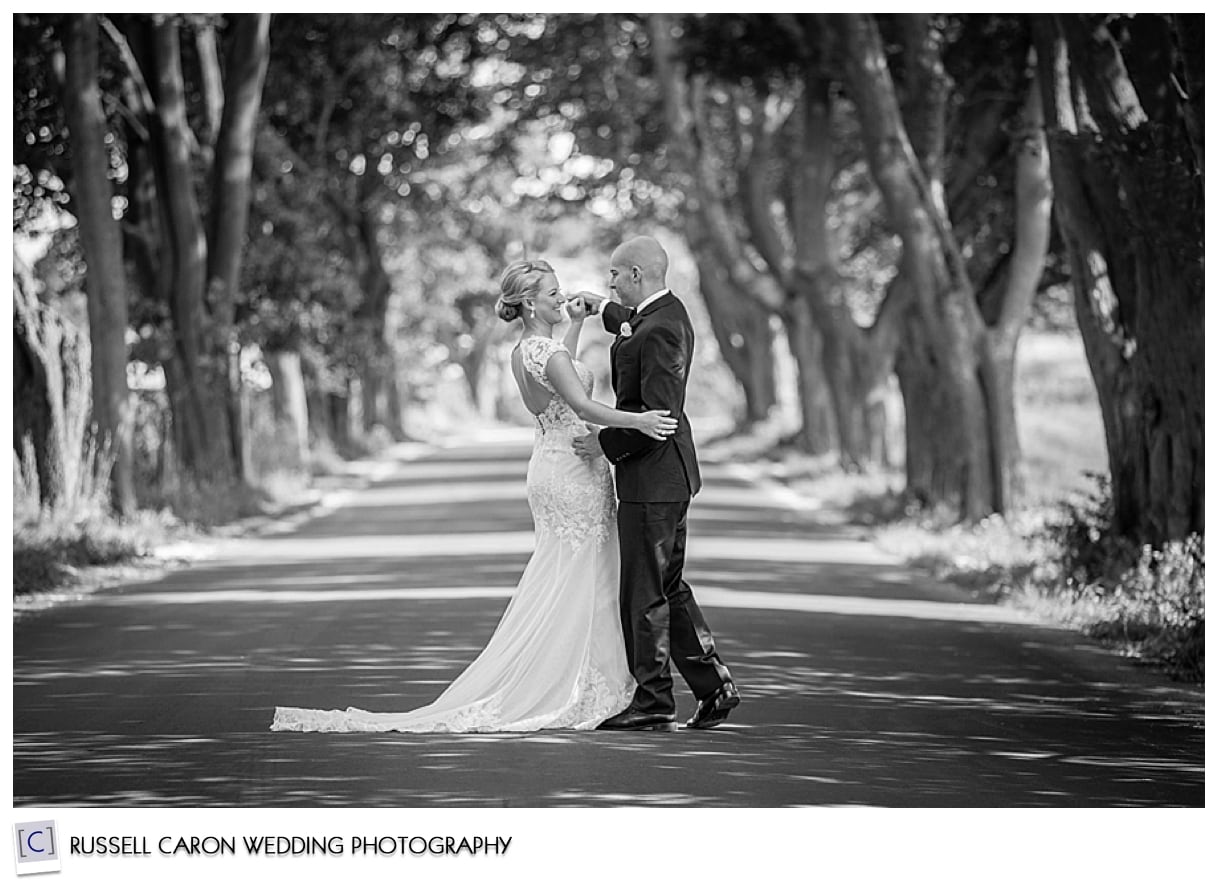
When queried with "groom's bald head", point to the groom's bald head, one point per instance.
{"points": [[637, 269]]}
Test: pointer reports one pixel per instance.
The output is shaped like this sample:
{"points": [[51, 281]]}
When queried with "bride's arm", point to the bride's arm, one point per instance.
{"points": [[578, 312], [561, 373]]}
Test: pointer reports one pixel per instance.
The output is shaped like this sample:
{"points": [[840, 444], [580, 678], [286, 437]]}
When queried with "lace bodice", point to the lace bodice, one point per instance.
{"points": [[557, 424], [570, 498]]}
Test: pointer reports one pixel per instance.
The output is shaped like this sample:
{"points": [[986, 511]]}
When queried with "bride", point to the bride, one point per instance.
{"points": [[556, 659]]}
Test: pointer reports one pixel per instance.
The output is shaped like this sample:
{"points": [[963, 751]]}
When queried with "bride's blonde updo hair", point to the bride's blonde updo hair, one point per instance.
{"points": [[519, 281]]}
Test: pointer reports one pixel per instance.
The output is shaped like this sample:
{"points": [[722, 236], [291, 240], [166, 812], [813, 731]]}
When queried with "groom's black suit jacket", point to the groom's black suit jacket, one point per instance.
{"points": [[650, 369]]}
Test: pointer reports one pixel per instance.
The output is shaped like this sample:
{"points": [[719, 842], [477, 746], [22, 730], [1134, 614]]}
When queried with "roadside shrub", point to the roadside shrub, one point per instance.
{"points": [[49, 550], [1093, 557], [1153, 598]]}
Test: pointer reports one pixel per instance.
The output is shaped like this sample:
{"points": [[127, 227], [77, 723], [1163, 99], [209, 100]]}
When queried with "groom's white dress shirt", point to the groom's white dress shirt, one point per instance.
{"points": [[650, 300]]}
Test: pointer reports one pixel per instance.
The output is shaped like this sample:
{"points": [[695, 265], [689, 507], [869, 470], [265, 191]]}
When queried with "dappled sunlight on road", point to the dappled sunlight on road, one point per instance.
{"points": [[777, 764], [745, 499], [341, 595], [827, 720], [709, 597], [432, 470], [447, 492], [863, 683], [391, 544], [858, 606]]}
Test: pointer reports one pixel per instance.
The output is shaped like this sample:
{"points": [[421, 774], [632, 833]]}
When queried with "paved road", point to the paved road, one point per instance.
{"points": [[863, 683]]}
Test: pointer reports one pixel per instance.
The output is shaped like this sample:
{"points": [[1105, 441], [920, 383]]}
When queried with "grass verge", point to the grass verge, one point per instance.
{"points": [[69, 552], [1147, 604], [50, 553]]}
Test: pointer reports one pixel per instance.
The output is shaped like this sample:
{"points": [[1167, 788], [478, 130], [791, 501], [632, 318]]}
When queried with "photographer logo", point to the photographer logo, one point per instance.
{"points": [[36, 847]]}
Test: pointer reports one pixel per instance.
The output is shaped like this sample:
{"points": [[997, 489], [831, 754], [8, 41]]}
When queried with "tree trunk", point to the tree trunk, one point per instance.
{"points": [[473, 367], [197, 398], [1126, 164], [102, 245], [998, 381], [742, 330], [933, 467], [317, 407], [931, 262], [51, 394], [379, 372], [207, 394], [246, 71], [338, 404], [818, 433], [380, 393], [394, 411], [1033, 206], [289, 400], [857, 391], [726, 271], [855, 362], [372, 410]]}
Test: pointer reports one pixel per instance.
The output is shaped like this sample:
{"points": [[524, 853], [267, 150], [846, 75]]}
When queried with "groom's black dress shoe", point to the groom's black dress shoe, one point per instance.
{"points": [[631, 720], [714, 709]]}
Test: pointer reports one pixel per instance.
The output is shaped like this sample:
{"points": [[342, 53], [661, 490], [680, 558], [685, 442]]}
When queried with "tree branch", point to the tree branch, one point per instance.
{"points": [[682, 105], [247, 64], [756, 155], [213, 86], [142, 92], [1033, 212]]}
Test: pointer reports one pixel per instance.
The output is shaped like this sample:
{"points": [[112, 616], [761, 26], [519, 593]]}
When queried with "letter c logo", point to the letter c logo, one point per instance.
{"points": [[29, 841]]}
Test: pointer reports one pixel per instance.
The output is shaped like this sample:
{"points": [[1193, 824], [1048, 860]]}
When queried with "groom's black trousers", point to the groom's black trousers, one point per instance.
{"points": [[660, 618]]}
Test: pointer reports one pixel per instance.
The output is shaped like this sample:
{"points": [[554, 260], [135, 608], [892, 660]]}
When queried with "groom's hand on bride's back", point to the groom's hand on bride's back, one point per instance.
{"points": [[588, 447]]}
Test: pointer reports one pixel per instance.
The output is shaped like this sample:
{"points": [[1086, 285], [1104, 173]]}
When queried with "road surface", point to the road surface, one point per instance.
{"points": [[864, 682]]}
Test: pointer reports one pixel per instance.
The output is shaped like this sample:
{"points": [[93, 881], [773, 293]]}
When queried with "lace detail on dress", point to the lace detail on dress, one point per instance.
{"points": [[598, 701], [481, 716], [570, 498], [536, 352], [576, 512], [596, 698]]}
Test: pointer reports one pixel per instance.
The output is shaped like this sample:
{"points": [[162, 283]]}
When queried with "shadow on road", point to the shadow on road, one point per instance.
{"points": [[863, 683]]}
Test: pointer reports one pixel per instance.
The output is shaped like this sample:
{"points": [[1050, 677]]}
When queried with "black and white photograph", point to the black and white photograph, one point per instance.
{"points": [[607, 410]]}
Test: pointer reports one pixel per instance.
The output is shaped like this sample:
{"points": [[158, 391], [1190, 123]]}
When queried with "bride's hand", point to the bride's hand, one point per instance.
{"points": [[589, 300], [577, 308], [657, 424]]}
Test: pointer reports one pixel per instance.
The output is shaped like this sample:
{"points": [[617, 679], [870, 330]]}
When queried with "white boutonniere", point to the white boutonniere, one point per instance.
{"points": [[625, 330]]}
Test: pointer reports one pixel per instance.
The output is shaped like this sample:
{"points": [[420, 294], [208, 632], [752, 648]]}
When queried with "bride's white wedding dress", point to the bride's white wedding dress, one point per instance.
{"points": [[556, 659]]}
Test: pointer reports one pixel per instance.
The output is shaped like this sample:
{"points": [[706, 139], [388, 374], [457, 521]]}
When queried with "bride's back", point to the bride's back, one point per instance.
{"points": [[557, 422], [535, 396]]}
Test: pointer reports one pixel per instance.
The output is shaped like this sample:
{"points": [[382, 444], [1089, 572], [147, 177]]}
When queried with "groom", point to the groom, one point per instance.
{"points": [[661, 620]]}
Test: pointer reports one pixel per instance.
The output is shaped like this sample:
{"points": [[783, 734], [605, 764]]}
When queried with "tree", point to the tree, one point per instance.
{"points": [[741, 326], [102, 245], [51, 392], [956, 369], [186, 251], [364, 103], [771, 148], [1123, 97], [721, 246]]}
